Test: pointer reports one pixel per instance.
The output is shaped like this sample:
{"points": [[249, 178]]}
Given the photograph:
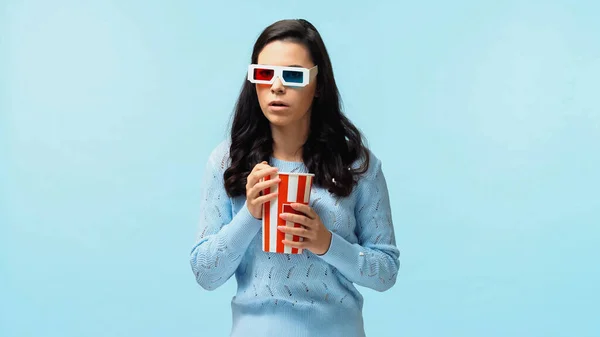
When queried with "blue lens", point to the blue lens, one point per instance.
{"points": [[293, 76]]}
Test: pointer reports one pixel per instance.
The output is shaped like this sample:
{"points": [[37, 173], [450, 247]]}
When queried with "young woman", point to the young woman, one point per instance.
{"points": [[288, 119]]}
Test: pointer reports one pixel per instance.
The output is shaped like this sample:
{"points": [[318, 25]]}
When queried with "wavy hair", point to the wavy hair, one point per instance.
{"points": [[333, 142]]}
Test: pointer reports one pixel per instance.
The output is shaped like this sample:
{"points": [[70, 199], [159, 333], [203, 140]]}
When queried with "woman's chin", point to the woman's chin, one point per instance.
{"points": [[279, 121]]}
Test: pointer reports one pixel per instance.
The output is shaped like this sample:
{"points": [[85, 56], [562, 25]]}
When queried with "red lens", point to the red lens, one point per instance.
{"points": [[262, 74]]}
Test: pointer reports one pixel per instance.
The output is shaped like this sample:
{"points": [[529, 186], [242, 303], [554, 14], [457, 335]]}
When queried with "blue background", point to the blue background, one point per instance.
{"points": [[486, 116]]}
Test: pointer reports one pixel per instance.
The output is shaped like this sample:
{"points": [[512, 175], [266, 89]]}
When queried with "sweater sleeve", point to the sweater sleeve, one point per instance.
{"points": [[222, 239], [373, 262]]}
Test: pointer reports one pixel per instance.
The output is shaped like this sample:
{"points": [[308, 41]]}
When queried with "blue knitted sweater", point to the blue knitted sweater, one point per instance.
{"points": [[305, 294]]}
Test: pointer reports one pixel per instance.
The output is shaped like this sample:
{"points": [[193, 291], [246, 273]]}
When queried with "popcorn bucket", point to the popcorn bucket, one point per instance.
{"points": [[293, 188]]}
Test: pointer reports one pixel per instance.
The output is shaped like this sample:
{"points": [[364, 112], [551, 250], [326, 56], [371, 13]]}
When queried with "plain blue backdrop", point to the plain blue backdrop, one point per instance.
{"points": [[486, 116]]}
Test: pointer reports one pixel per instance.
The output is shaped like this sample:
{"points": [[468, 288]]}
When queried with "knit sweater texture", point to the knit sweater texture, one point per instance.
{"points": [[297, 295]]}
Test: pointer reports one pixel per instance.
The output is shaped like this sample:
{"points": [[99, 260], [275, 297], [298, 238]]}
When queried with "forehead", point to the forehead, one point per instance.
{"points": [[285, 53]]}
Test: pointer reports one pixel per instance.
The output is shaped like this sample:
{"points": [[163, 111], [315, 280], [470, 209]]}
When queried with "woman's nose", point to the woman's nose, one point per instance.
{"points": [[277, 86]]}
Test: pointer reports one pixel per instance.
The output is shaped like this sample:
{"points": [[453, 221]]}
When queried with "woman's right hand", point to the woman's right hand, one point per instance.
{"points": [[255, 197]]}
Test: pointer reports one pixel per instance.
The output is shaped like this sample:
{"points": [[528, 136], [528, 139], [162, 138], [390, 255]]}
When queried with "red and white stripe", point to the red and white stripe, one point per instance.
{"points": [[293, 188]]}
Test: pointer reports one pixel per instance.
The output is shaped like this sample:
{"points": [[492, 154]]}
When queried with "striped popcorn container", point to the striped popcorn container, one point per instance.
{"points": [[293, 188]]}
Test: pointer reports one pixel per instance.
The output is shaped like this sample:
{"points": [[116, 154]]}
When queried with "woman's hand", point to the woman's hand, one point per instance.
{"points": [[317, 237], [254, 188]]}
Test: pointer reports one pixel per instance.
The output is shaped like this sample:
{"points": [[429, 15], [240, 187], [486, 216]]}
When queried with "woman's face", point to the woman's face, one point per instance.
{"points": [[297, 101]]}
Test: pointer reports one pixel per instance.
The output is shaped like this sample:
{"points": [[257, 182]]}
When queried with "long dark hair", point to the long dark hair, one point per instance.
{"points": [[333, 143]]}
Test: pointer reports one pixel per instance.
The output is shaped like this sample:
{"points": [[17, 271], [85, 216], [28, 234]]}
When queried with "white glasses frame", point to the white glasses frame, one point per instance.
{"points": [[308, 74]]}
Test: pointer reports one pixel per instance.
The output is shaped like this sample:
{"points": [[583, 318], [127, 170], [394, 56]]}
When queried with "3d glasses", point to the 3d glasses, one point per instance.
{"points": [[289, 76]]}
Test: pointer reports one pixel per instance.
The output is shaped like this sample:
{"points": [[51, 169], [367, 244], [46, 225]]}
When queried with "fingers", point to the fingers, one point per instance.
{"points": [[262, 199], [295, 244], [307, 210], [302, 232], [260, 171], [268, 170], [258, 189], [265, 184], [254, 197], [260, 166], [297, 218]]}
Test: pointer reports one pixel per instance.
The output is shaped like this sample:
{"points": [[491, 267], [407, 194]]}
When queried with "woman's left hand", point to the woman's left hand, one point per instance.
{"points": [[317, 237]]}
